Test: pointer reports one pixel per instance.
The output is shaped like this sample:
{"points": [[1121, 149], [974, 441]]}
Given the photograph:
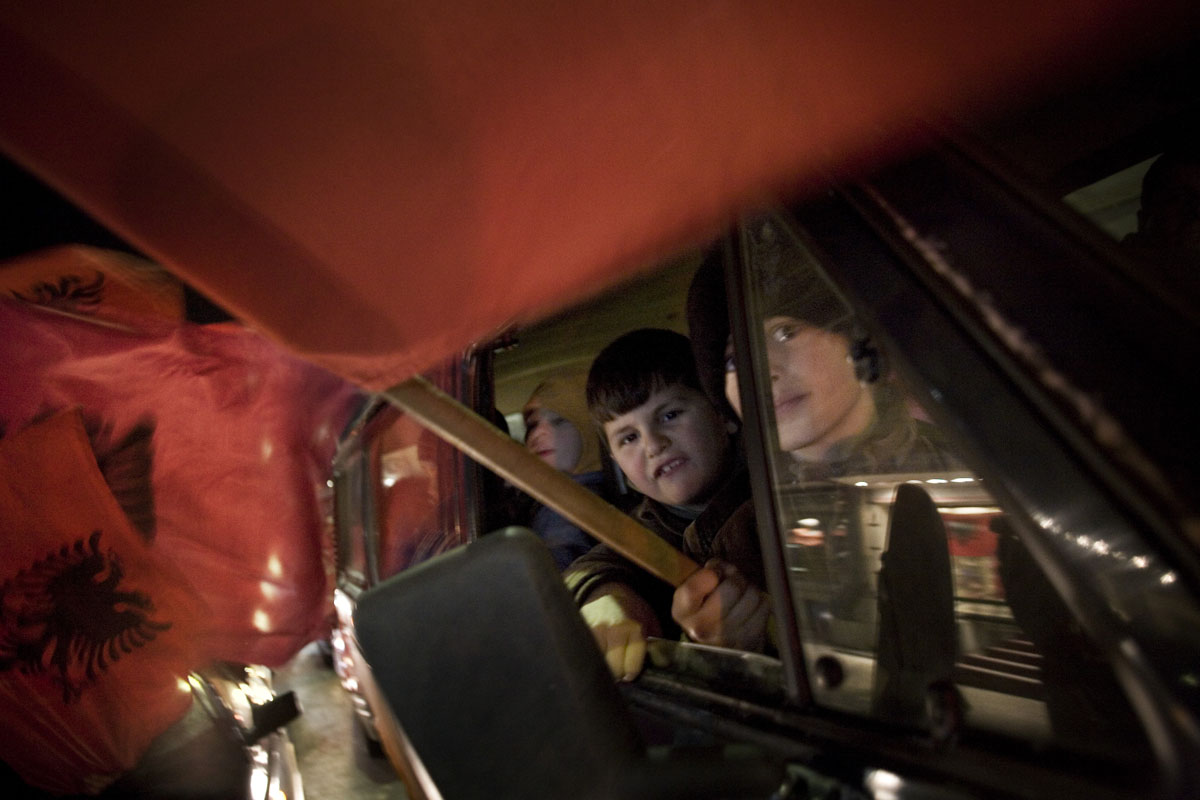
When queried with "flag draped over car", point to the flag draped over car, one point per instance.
{"points": [[382, 183]]}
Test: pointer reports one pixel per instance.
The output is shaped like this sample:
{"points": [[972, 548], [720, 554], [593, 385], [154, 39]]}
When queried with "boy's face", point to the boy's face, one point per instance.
{"points": [[818, 400], [553, 439], [673, 448]]}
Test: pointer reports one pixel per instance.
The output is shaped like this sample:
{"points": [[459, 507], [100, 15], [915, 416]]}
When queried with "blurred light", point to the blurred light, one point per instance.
{"points": [[969, 510], [809, 522], [883, 785], [258, 782], [807, 537], [389, 480], [1047, 523], [860, 483], [962, 480], [1100, 546], [183, 685], [262, 621], [1083, 541], [1167, 579], [274, 566], [1141, 562], [267, 448], [269, 590], [937, 480], [343, 605]]}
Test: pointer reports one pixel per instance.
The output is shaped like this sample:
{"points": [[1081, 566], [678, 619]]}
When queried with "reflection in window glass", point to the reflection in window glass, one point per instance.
{"points": [[416, 514], [349, 505], [902, 568]]}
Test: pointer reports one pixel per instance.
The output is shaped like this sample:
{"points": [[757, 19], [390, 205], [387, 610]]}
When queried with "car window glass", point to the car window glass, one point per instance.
{"points": [[414, 510], [351, 515], [912, 592]]}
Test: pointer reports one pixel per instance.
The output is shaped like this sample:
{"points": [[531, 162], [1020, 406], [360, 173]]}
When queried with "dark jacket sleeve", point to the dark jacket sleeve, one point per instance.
{"points": [[736, 542], [727, 530]]}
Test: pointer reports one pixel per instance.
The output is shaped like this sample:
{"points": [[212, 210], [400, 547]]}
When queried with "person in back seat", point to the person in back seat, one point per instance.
{"points": [[675, 448], [558, 431]]}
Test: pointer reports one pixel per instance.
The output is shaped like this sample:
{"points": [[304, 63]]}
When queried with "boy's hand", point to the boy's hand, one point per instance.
{"points": [[620, 620], [716, 605]]}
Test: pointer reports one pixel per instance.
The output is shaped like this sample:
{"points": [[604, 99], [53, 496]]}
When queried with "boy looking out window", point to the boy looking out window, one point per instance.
{"points": [[675, 448]]}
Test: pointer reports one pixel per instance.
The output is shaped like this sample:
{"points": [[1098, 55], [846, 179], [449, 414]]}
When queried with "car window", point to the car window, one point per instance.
{"points": [[410, 474], [910, 588], [567, 342], [352, 515]]}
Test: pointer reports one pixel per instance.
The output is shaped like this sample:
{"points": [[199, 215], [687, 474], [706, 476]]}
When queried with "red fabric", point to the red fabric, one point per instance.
{"points": [[380, 183], [97, 629], [409, 499], [970, 535], [243, 438]]}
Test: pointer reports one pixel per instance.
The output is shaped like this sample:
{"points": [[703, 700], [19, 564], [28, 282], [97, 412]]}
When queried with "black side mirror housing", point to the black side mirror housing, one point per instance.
{"points": [[500, 688]]}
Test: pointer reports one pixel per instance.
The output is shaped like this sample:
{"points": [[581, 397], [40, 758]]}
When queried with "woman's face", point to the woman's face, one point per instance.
{"points": [[553, 438], [818, 400]]}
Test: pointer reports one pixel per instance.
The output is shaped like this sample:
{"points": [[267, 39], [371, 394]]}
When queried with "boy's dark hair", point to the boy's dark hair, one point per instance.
{"points": [[636, 365]]}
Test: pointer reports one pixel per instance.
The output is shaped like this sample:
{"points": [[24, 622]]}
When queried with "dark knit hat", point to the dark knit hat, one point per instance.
{"points": [[789, 283]]}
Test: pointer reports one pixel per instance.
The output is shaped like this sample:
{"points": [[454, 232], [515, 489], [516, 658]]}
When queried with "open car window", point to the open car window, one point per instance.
{"points": [[914, 596], [394, 493]]}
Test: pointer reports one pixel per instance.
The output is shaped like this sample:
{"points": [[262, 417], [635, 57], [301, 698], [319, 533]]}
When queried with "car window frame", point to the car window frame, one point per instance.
{"points": [[354, 507], [864, 214]]}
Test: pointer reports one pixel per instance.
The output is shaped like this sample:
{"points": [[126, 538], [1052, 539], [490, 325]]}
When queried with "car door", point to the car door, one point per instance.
{"points": [[1015, 614]]}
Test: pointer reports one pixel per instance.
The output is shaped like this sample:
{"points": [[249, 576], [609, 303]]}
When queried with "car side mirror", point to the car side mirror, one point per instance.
{"points": [[500, 689]]}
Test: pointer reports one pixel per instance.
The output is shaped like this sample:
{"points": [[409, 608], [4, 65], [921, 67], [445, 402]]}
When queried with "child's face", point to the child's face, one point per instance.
{"points": [[818, 400], [553, 439], [673, 448]]}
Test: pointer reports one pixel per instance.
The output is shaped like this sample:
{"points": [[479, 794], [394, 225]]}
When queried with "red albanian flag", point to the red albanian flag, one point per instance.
{"points": [[218, 445], [97, 628]]}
